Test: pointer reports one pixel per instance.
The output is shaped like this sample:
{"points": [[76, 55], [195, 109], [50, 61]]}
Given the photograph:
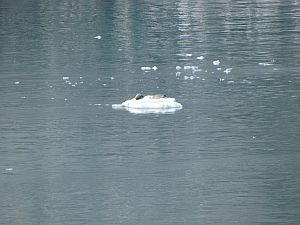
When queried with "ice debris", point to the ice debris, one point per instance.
{"points": [[216, 62], [66, 78], [200, 57], [145, 68], [188, 54], [227, 70], [178, 67], [17, 82], [98, 37]]}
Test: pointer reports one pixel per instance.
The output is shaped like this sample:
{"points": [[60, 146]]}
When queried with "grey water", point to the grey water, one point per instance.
{"points": [[231, 155]]}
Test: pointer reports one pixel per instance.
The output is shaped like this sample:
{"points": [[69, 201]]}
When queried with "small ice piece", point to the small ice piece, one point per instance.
{"points": [[187, 67], [178, 67], [227, 70], [80, 78], [52, 98], [145, 68], [66, 78], [253, 137], [265, 64], [203, 79], [17, 82], [222, 79], [9, 169], [104, 84], [219, 68], [200, 57], [178, 74], [216, 62], [188, 54], [112, 78], [97, 104], [66, 99], [98, 37], [154, 67], [192, 77], [185, 77], [230, 82]]}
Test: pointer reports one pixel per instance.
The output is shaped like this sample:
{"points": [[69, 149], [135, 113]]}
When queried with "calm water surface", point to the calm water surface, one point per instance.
{"points": [[230, 156]]}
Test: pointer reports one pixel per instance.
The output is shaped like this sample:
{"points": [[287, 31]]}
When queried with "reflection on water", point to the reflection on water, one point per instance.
{"points": [[230, 156]]}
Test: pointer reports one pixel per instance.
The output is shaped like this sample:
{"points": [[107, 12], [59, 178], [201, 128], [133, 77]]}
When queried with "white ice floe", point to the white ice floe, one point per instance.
{"points": [[178, 67], [227, 70], [149, 102], [145, 68], [216, 62], [154, 67], [17, 82], [200, 57], [65, 78], [9, 169], [265, 64], [188, 54], [219, 68], [98, 37]]}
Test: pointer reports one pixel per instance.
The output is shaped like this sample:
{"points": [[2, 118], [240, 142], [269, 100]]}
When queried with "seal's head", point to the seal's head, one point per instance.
{"points": [[139, 96]]}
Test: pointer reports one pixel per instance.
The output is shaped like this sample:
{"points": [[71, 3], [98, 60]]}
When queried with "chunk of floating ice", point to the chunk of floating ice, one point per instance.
{"points": [[145, 68], [222, 79], [98, 37], [200, 57], [104, 84], [227, 70], [265, 64], [219, 68], [80, 78], [230, 82], [97, 104], [66, 78], [9, 169], [187, 67], [178, 67], [154, 67], [186, 77], [178, 74], [112, 78], [216, 62], [17, 82], [188, 54]]}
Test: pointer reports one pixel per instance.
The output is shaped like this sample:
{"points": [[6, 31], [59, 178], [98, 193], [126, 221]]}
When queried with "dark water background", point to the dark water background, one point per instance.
{"points": [[230, 156]]}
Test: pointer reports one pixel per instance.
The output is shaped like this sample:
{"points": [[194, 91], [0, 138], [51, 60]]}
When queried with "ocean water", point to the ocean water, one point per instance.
{"points": [[229, 156]]}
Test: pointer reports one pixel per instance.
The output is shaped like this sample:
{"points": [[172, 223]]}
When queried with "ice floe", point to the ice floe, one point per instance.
{"points": [[149, 102], [216, 62], [98, 37], [200, 57]]}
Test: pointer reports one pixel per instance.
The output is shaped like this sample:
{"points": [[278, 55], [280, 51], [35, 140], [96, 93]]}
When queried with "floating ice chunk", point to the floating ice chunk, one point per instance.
{"points": [[188, 54], [178, 67], [104, 84], [253, 137], [9, 169], [200, 57], [52, 98], [265, 64], [17, 82], [178, 74], [230, 82], [112, 78], [186, 77], [97, 104], [98, 37], [222, 79], [192, 77], [203, 79], [154, 67], [80, 78], [66, 78], [219, 68], [216, 62], [187, 67], [145, 68], [227, 70]]}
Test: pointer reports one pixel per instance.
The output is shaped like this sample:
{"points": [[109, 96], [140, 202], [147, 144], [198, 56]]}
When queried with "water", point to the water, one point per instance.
{"points": [[230, 156]]}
